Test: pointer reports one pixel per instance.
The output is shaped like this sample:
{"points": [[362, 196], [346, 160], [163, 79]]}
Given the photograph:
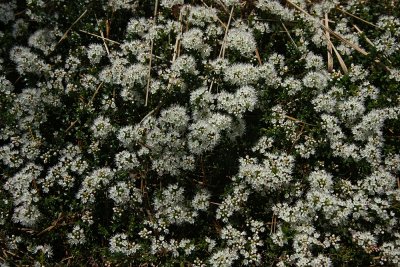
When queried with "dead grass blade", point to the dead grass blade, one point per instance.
{"points": [[371, 44], [223, 46], [70, 27], [340, 59], [329, 45], [104, 42], [151, 56], [103, 38], [356, 17], [335, 34], [290, 37]]}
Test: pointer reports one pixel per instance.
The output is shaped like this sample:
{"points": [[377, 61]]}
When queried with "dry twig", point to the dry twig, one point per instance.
{"points": [[354, 16], [329, 45], [151, 56], [69, 29], [103, 38], [333, 33]]}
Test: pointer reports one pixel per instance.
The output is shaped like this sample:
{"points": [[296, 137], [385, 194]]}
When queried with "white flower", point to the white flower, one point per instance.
{"points": [[92, 183], [201, 200], [77, 236], [201, 15], [205, 134], [95, 52], [236, 104], [119, 243], [241, 74], [120, 193], [193, 39], [7, 11], [223, 258], [241, 40], [44, 40], [137, 26], [101, 127], [126, 160], [171, 3], [122, 4]]}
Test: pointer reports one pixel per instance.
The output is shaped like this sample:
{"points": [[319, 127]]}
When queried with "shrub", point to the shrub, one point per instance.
{"points": [[199, 133]]}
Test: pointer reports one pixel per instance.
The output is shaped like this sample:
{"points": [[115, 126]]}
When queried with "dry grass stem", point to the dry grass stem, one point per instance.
{"points": [[70, 27], [223, 46], [104, 42], [95, 93], [290, 37], [335, 34], [151, 56], [329, 45], [340, 59], [101, 37], [356, 17]]}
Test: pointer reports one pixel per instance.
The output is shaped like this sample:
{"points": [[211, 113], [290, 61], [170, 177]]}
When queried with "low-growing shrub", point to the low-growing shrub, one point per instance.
{"points": [[199, 133]]}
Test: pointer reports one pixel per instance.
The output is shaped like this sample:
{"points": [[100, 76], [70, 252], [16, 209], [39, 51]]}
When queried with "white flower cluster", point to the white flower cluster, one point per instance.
{"points": [[77, 236], [119, 243], [44, 40], [120, 193], [65, 171], [92, 183], [155, 130], [206, 133], [171, 206], [241, 39], [95, 52], [233, 202], [101, 127], [241, 74], [24, 195], [27, 61], [7, 11], [194, 40], [201, 200], [276, 8], [270, 175]]}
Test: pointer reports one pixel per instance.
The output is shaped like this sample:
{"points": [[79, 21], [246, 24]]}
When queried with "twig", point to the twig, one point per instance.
{"points": [[149, 73], [273, 224], [71, 126], [103, 38], [104, 42], [290, 37], [329, 45], [69, 29], [53, 225], [258, 57], [87, 104], [95, 93], [222, 5], [372, 44], [151, 56], [354, 16], [333, 33], [178, 38], [220, 21], [296, 120], [365, 37], [151, 112], [222, 51], [339, 57]]}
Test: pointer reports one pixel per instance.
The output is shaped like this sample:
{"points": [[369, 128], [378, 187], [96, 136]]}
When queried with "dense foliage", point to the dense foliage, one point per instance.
{"points": [[199, 133]]}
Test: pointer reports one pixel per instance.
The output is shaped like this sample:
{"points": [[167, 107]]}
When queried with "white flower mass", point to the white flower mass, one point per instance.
{"points": [[199, 133]]}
